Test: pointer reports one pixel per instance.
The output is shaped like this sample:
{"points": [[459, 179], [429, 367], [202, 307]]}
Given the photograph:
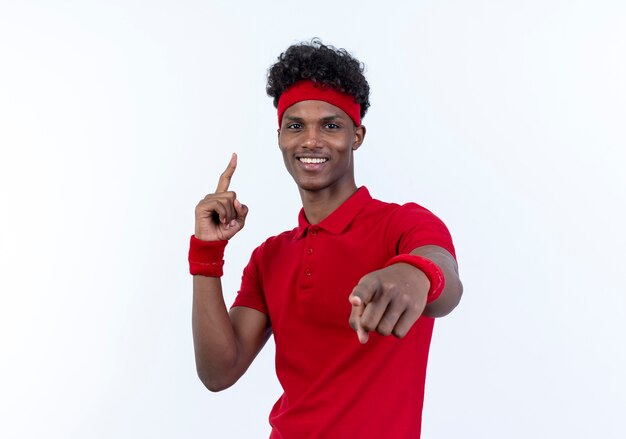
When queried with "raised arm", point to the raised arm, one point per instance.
{"points": [[224, 343]]}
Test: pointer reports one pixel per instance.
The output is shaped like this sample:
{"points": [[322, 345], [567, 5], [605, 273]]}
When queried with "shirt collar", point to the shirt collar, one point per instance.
{"points": [[340, 218]]}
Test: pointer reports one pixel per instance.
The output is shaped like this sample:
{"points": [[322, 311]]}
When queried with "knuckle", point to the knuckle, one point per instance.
{"points": [[389, 320], [392, 288], [210, 198], [415, 306], [387, 284], [384, 329], [392, 316], [407, 300], [368, 324], [399, 333], [201, 206], [228, 195], [403, 299]]}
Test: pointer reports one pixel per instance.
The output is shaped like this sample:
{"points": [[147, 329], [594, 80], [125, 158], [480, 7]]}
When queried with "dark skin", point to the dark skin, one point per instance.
{"points": [[317, 141]]}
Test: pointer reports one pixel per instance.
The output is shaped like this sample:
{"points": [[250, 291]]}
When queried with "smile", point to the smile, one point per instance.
{"points": [[312, 160]]}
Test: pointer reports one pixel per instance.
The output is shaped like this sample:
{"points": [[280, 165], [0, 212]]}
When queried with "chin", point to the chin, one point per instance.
{"points": [[310, 186]]}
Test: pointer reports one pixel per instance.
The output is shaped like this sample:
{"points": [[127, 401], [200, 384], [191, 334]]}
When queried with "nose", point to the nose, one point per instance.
{"points": [[311, 139]]}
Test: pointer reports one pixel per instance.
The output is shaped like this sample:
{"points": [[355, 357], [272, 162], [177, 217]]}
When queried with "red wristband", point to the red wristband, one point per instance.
{"points": [[206, 258], [430, 269]]}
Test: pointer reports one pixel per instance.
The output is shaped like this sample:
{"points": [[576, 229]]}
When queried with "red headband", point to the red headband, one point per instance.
{"points": [[307, 90]]}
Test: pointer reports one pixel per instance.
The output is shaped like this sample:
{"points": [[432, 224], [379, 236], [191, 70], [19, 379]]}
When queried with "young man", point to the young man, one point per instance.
{"points": [[349, 294]]}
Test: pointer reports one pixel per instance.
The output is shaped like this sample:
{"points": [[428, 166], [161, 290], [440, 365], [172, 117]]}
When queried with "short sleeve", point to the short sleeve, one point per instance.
{"points": [[412, 226], [251, 293]]}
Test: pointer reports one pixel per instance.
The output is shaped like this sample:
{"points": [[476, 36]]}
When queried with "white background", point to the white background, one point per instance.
{"points": [[506, 118]]}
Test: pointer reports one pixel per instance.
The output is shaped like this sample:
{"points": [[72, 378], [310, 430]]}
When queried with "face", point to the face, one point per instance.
{"points": [[317, 140]]}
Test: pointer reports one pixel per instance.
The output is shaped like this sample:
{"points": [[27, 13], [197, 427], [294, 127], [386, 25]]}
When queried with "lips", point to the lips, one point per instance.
{"points": [[312, 163]]}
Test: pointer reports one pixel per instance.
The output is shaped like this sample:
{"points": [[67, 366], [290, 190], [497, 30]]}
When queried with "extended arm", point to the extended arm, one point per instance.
{"points": [[390, 300]]}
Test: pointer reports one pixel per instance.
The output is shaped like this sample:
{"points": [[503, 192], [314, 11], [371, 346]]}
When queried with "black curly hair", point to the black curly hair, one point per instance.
{"points": [[323, 64]]}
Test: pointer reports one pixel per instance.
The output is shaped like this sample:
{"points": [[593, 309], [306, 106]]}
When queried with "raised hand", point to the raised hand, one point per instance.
{"points": [[219, 216], [388, 301]]}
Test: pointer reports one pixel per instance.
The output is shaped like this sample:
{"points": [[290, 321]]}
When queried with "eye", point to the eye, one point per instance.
{"points": [[332, 126], [294, 126]]}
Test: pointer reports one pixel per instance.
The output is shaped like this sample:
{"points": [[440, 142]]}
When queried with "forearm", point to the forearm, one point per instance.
{"points": [[215, 343], [453, 290]]}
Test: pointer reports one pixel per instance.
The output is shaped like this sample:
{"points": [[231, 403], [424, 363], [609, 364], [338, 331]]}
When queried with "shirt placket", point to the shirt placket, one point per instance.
{"points": [[307, 274]]}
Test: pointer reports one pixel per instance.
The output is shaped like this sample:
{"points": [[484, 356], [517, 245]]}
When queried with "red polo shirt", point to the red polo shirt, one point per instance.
{"points": [[335, 387]]}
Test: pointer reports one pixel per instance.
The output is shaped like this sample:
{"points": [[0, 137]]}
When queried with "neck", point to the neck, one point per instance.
{"points": [[318, 205]]}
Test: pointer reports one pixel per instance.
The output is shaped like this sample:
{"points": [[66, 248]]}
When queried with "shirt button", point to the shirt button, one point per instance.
{"points": [[309, 251], [308, 272], [313, 232]]}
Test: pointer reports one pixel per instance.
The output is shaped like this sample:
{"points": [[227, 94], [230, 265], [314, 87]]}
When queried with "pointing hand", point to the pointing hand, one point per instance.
{"points": [[219, 216]]}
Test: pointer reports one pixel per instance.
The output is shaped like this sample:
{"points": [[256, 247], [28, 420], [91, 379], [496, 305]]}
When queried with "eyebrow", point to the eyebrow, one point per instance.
{"points": [[323, 119], [293, 118]]}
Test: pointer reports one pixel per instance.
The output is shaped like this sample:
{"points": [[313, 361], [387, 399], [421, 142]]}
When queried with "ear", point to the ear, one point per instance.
{"points": [[359, 136]]}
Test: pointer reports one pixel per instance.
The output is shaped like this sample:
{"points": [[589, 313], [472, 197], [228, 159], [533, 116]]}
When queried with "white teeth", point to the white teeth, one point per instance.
{"points": [[312, 160]]}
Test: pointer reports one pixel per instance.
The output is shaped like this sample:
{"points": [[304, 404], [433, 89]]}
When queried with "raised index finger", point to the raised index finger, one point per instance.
{"points": [[224, 182]]}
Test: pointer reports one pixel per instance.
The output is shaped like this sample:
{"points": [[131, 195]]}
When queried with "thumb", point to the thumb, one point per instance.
{"points": [[241, 210]]}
